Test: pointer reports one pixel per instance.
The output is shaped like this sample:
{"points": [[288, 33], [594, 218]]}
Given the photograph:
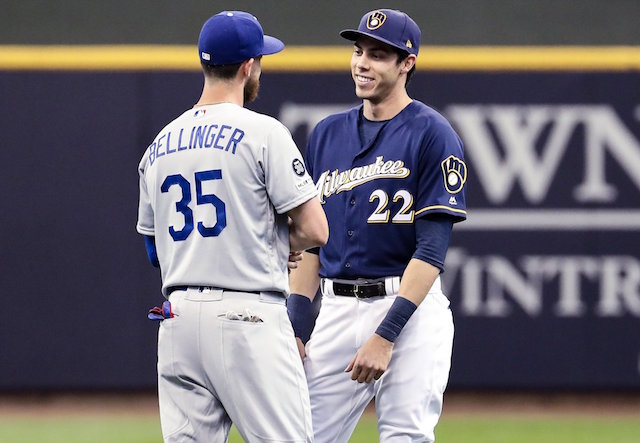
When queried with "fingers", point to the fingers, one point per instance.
{"points": [[301, 349], [350, 365], [363, 374], [370, 376], [294, 258]]}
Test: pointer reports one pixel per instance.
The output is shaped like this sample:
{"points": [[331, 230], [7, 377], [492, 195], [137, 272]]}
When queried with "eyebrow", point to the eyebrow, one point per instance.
{"points": [[375, 47]]}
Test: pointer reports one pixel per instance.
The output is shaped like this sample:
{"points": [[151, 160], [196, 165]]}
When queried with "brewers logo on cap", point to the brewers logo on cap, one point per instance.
{"points": [[376, 19]]}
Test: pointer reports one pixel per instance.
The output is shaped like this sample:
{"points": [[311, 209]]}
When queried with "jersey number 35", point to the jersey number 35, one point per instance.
{"points": [[182, 206]]}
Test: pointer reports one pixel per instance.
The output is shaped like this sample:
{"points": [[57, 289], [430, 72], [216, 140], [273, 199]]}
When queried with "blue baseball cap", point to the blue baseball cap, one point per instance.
{"points": [[232, 37], [389, 26]]}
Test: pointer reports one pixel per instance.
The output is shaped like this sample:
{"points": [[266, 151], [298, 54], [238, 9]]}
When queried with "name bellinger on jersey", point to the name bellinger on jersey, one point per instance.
{"points": [[216, 136], [213, 180]]}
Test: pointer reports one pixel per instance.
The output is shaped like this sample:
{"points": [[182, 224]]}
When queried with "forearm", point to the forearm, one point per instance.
{"points": [[417, 280], [304, 280], [300, 240]]}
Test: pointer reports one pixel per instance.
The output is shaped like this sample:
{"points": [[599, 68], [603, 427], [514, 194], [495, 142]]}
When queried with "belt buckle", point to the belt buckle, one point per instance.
{"points": [[356, 292]]}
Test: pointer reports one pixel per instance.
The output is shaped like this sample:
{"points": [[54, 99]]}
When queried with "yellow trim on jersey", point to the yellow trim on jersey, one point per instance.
{"points": [[321, 58], [448, 208]]}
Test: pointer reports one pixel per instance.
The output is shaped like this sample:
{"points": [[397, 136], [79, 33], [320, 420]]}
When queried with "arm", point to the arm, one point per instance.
{"points": [[372, 359], [304, 280], [152, 252], [433, 235], [308, 226]]}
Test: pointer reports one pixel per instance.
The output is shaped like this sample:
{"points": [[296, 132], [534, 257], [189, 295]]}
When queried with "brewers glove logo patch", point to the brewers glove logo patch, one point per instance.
{"points": [[298, 167], [376, 19], [455, 174]]}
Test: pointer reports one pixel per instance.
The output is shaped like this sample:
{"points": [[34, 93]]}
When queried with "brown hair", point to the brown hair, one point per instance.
{"points": [[223, 72]]}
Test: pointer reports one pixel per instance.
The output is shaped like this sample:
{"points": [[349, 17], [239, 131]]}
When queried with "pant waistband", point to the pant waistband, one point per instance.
{"points": [[171, 289], [212, 293], [361, 288]]}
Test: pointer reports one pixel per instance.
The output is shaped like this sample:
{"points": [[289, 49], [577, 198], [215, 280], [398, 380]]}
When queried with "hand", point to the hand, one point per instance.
{"points": [[294, 258], [301, 349], [371, 360]]}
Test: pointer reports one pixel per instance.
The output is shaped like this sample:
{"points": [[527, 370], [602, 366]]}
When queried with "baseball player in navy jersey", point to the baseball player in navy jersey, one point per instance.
{"points": [[224, 199], [390, 174]]}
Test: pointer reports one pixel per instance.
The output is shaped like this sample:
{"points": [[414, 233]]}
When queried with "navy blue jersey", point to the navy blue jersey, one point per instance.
{"points": [[372, 194]]}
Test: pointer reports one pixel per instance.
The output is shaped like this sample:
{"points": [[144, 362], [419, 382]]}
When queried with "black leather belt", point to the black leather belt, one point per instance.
{"points": [[363, 290]]}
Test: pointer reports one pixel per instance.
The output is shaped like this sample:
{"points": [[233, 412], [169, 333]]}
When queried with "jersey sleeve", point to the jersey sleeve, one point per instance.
{"points": [[443, 174], [311, 149], [287, 181], [145, 224]]}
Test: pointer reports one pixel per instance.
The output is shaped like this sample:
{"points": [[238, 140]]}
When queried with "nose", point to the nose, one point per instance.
{"points": [[362, 63]]}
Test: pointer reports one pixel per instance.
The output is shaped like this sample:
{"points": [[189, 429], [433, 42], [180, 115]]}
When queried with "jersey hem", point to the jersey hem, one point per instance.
{"points": [[145, 231], [438, 208]]}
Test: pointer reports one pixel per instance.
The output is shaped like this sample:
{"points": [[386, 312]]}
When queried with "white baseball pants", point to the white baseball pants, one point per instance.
{"points": [[408, 397], [214, 370]]}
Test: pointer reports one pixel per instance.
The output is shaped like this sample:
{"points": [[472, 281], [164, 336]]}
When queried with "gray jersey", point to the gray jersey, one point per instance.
{"points": [[221, 178]]}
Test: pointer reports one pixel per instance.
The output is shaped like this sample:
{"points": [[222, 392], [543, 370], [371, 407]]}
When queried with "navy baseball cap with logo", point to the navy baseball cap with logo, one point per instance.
{"points": [[389, 26], [232, 37]]}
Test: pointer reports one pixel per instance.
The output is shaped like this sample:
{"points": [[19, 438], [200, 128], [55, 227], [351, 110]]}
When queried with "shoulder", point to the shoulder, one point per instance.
{"points": [[420, 114], [262, 123], [339, 119], [429, 125]]}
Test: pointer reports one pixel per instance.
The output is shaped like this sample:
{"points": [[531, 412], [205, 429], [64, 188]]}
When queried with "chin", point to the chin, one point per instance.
{"points": [[365, 95], [362, 92]]}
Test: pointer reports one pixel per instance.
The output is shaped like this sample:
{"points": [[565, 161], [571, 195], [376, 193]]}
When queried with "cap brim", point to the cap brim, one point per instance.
{"points": [[271, 45], [353, 35]]}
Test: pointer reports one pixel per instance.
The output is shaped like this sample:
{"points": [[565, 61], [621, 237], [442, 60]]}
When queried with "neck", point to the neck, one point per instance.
{"points": [[218, 91], [387, 108]]}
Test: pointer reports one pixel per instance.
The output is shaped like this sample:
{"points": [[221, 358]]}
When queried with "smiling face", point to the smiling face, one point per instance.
{"points": [[376, 71]]}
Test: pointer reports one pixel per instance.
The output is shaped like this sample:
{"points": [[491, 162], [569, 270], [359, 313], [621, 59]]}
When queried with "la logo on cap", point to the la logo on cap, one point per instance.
{"points": [[376, 19]]}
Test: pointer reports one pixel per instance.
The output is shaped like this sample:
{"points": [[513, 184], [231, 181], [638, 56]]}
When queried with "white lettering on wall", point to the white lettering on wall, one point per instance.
{"points": [[525, 144], [493, 286]]}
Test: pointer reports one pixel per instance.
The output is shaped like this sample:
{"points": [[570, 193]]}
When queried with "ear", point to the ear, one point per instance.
{"points": [[246, 67], [408, 63]]}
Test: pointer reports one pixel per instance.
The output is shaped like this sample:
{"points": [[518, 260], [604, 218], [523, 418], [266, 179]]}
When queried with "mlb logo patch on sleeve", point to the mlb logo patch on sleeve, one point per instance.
{"points": [[298, 167]]}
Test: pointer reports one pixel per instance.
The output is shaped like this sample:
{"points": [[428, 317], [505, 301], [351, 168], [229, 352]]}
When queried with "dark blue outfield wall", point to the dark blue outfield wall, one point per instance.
{"points": [[544, 277]]}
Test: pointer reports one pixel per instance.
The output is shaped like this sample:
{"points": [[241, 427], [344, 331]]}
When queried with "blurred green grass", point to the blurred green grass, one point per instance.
{"points": [[452, 429]]}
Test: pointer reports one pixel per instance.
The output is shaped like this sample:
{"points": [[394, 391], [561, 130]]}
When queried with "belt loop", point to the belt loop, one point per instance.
{"points": [[327, 287], [389, 286]]}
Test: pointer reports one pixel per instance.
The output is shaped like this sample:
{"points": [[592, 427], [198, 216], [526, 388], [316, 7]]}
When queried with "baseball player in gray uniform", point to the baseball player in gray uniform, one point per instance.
{"points": [[390, 174], [224, 199]]}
